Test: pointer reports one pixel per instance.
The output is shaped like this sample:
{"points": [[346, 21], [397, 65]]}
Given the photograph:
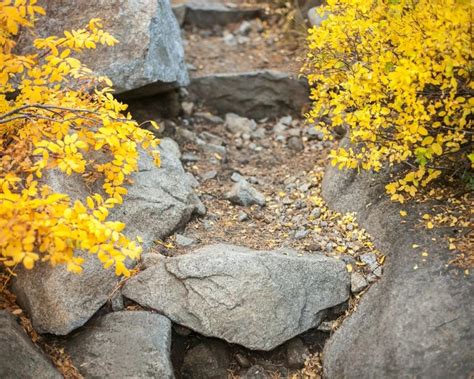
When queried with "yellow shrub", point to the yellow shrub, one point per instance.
{"points": [[397, 74], [53, 111]]}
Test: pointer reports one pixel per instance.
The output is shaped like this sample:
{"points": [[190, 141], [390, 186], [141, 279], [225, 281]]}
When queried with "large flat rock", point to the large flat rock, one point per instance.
{"points": [[123, 345], [207, 14], [159, 201], [258, 299], [149, 57], [417, 321], [19, 358], [257, 94]]}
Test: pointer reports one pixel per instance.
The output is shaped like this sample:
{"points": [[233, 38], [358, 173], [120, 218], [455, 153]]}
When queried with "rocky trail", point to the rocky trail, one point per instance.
{"points": [[257, 172], [257, 262]]}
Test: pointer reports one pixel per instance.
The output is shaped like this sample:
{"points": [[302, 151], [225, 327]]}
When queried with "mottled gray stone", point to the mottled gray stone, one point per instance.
{"points": [[296, 353], [160, 201], [207, 14], [256, 94], [358, 282], [411, 323], [242, 193], [258, 299], [19, 358], [208, 360], [59, 301], [123, 345], [149, 58]]}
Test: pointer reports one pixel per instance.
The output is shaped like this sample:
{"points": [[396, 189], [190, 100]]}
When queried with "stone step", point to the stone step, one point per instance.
{"points": [[207, 14], [257, 94]]}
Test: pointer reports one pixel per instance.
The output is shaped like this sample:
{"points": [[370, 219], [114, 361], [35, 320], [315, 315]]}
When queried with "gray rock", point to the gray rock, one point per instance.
{"points": [[314, 134], [186, 135], [184, 241], [370, 259], [315, 19], [150, 258], [256, 372], [358, 282], [280, 128], [160, 201], [242, 360], [229, 39], [259, 133], [189, 157], [242, 193], [191, 180], [209, 175], [245, 28], [208, 360], [419, 320], [180, 13], [236, 177], [116, 302], [286, 120], [239, 125], [256, 94], [252, 298], [19, 357], [213, 149], [208, 14], [149, 58], [212, 138], [182, 330], [243, 216], [295, 144], [296, 353], [326, 326], [59, 301], [123, 345], [300, 234], [209, 117], [188, 108]]}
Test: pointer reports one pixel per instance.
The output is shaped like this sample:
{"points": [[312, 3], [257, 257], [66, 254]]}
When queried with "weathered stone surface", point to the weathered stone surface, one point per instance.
{"points": [[253, 298], [208, 360], [256, 94], [242, 193], [296, 353], [411, 323], [160, 201], [149, 58], [123, 345], [206, 14], [59, 301], [19, 358]]}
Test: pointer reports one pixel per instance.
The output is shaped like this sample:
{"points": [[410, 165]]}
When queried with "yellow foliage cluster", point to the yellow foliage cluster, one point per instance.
{"points": [[54, 114], [397, 74]]}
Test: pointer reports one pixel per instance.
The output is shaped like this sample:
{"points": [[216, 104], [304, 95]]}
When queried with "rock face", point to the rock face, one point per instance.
{"points": [[207, 14], [208, 360], [159, 201], [256, 95], [242, 193], [124, 345], [149, 58], [253, 298], [19, 357], [59, 301], [413, 322]]}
